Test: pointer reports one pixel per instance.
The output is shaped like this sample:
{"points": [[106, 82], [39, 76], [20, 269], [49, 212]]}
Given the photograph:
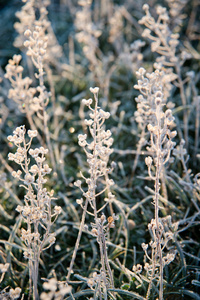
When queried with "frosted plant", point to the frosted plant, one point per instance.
{"points": [[4, 109], [11, 294], [116, 23], [37, 43], [28, 20], [36, 211], [88, 36], [97, 152], [195, 97], [187, 182], [152, 111], [21, 91], [197, 189], [147, 85], [165, 43], [163, 40], [55, 290], [177, 17], [32, 99], [3, 270], [34, 14], [131, 57], [136, 55], [181, 154]]}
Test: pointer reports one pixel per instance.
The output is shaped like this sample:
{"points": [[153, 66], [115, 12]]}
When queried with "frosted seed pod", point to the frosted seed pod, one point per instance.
{"points": [[57, 210], [113, 164], [77, 183], [144, 246], [85, 227], [146, 32], [145, 7], [26, 44], [84, 101], [82, 137], [173, 134], [103, 218], [50, 285], [141, 72], [150, 127], [28, 179], [90, 282], [19, 208], [79, 201], [88, 122], [14, 293], [158, 101], [27, 33], [94, 231], [110, 182], [52, 240], [94, 90], [4, 267], [32, 133]]}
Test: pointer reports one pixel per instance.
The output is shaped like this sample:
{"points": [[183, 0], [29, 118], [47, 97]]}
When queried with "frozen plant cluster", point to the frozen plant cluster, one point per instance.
{"points": [[151, 113], [97, 152], [36, 211]]}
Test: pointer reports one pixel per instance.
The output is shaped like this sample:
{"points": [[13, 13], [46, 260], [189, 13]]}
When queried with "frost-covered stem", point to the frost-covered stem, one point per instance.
{"points": [[49, 145], [35, 270], [94, 169], [36, 49], [164, 188], [197, 126], [159, 167], [53, 98], [35, 280], [158, 246], [152, 276], [184, 102], [46, 129], [197, 119], [102, 252], [139, 147], [107, 262], [35, 261], [32, 125], [108, 191], [94, 179], [78, 239]]}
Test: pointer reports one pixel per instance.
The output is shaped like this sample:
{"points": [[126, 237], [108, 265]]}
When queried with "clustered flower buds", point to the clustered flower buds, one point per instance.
{"points": [[15, 293], [36, 14], [151, 114], [150, 104], [12, 293], [163, 41], [97, 282], [4, 267], [98, 151], [56, 290], [36, 211], [88, 34], [20, 92]]}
